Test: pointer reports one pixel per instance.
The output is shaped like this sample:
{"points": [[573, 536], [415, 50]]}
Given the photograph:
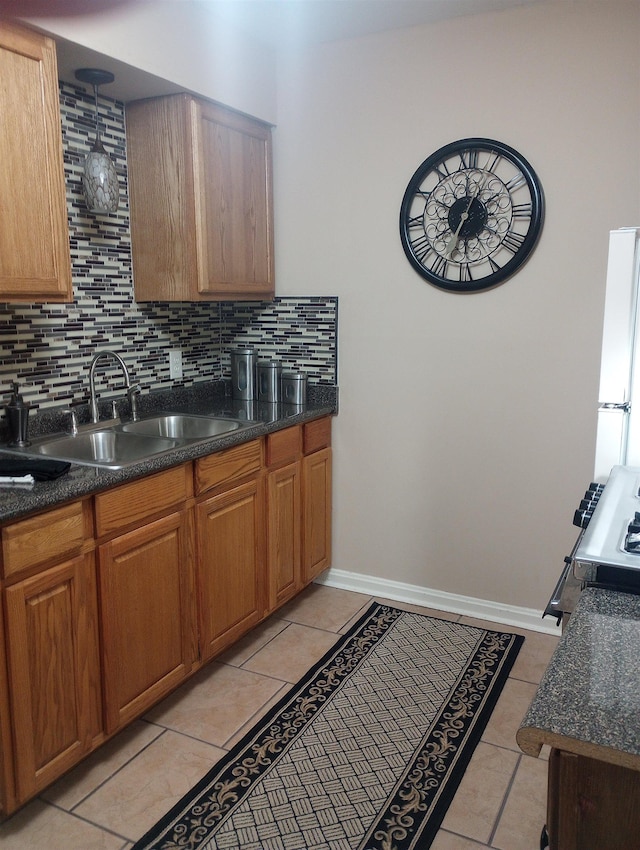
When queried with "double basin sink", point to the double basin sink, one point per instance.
{"points": [[122, 444]]}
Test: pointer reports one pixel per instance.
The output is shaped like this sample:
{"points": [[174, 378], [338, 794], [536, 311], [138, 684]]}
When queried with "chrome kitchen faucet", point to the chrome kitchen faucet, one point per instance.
{"points": [[132, 390]]}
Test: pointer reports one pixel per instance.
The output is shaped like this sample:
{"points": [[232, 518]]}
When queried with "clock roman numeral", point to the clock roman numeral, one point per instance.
{"points": [[490, 166], [416, 221], [517, 180], [465, 273], [468, 159], [513, 241], [439, 266], [523, 210], [420, 248], [441, 170]]}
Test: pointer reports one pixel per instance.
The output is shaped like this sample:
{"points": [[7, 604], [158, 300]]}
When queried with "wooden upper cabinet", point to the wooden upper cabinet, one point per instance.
{"points": [[35, 263], [200, 191]]}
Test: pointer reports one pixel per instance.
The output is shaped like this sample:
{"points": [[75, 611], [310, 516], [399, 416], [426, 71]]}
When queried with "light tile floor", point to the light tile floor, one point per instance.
{"points": [[112, 798]]}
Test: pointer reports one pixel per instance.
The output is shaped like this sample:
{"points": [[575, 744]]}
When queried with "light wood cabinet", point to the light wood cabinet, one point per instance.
{"points": [[316, 499], [145, 582], [229, 521], [110, 602], [284, 515], [230, 565], [35, 263], [54, 681], [50, 695], [46, 538], [200, 188], [145, 608], [298, 507]]}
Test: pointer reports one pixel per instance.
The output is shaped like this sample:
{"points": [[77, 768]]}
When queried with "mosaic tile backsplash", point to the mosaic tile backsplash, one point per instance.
{"points": [[47, 348]]}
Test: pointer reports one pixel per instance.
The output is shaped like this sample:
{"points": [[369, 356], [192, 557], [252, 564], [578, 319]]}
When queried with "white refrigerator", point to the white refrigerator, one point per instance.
{"points": [[618, 434]]}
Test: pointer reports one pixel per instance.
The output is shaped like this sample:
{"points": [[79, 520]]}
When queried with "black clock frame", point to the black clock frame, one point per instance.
{"points": [[419, 248]]}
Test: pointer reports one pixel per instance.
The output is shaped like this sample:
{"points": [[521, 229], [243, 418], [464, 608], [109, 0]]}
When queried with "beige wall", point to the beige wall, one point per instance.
{"points": [[467, 422]]}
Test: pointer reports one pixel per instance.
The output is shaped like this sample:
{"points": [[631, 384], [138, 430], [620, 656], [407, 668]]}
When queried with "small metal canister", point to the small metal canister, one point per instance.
{"points": [[243, 373], [269, 377], [294, 387]]}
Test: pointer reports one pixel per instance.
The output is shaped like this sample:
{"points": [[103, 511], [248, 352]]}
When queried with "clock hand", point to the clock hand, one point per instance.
{"points": [[453, 241]]}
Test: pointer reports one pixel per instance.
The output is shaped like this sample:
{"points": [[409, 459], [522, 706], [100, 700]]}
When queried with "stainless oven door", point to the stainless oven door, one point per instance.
{"points": [[566, 592]]}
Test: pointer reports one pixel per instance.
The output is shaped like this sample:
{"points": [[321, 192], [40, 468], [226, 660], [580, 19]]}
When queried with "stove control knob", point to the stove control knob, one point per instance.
{"points": [[581, 518], [588, 505]]}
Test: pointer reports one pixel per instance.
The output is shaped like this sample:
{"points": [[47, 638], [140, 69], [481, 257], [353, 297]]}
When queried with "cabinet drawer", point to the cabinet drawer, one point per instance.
{"points": [[138, 501], [228, 465], [317, 435], [284, 446], [46, 537]]}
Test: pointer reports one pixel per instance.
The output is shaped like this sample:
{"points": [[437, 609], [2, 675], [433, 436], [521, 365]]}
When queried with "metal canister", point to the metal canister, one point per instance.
{"points": [[269, 376], [294, 387], [243, 373]]}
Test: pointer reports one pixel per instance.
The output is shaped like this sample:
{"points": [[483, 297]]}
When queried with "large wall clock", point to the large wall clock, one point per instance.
{"points": [[471, 215]]}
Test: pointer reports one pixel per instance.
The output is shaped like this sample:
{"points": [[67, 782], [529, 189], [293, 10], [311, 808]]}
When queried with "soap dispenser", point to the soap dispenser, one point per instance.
{"points": [[18, 419]]}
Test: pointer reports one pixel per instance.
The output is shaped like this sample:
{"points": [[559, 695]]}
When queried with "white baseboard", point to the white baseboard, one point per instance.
{"points": [[496, 612]]}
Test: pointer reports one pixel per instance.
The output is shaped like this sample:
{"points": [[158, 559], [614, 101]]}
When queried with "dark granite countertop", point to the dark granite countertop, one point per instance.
{"points": [[588, 701], [209, 398]]}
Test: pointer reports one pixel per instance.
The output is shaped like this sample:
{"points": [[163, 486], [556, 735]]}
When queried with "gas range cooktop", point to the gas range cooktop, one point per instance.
{"points": [[612, 537]]}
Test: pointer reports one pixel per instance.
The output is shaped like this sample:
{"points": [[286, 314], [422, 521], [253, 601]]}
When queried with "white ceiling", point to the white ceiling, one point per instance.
{"points": [[283, 22], [279, 23]]}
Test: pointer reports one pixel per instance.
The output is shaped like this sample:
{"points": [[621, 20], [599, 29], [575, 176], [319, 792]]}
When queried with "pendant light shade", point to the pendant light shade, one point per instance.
{"points": [[99, 179]]}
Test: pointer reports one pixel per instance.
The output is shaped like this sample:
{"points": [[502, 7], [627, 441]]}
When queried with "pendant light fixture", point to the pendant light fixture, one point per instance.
{"points": [[100, 179]]}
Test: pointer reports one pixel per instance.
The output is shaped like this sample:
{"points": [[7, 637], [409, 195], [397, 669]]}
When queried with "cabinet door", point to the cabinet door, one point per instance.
{"points": [[230, 575], [233, 203], [200, 190], [316, 512], [54, 674], [592, 805], [146, 611], [34, 241], [284, 565]]}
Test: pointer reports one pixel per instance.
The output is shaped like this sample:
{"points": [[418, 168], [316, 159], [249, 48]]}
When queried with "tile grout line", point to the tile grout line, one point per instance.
{"points": [[507, 792], [72, 811], [83, 819]]}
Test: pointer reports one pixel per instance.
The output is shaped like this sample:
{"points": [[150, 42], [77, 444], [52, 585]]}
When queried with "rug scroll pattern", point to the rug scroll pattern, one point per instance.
{"points": [[363, 753]]}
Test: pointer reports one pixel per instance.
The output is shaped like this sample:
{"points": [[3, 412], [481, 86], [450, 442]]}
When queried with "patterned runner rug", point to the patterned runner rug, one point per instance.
{"points": [[364, 753]]}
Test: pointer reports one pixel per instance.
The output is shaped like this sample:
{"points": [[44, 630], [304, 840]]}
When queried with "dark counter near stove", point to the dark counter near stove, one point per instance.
{"points": [[587, 709]]}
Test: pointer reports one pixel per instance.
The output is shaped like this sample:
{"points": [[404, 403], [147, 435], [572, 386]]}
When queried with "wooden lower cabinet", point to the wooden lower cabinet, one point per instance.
{"points": [[229, 565], [110, 602], [592, 805], [284, 515], [298, 507], [145, 603], [316, 498], [53, 671], [316, 513], [284, 542]]}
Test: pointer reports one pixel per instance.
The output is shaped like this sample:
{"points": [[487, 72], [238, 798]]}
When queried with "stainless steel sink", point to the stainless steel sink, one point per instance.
{"points": [[181, 426], [108, 448], [118, 445]]}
